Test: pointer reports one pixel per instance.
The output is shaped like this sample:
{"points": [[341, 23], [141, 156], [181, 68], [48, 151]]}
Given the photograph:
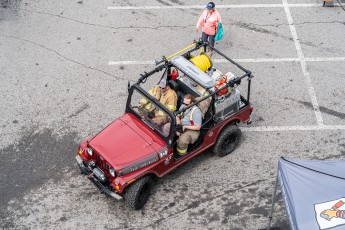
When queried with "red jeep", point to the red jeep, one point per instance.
{"points": [[124, 159]]}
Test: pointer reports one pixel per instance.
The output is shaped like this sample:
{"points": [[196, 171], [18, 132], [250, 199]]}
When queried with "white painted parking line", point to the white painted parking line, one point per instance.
{"points": [[292, 128], [325, 59], [218, 6], [303, 64], [247, 60]]}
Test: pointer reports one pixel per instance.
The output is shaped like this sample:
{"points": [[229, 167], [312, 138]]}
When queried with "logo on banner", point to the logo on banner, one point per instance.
{"points": [[331, 213]]}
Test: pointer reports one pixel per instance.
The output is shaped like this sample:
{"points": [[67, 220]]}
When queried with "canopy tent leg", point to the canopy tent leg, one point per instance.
{"points": [[272, 207]]}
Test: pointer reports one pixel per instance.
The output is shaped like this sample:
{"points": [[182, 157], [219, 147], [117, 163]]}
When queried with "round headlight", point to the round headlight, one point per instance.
{"points": [[90, 151], [112, 172]]}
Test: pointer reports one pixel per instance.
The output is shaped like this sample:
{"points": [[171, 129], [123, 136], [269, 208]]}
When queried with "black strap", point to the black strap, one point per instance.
{"points": [[208, 16]]}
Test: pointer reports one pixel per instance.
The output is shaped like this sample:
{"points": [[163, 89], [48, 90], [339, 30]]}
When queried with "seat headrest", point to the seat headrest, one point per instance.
{"points": [[173, 85]]}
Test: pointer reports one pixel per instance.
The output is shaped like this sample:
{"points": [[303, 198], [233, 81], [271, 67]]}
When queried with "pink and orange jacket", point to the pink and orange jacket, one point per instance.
{"points": [[209, 22]]}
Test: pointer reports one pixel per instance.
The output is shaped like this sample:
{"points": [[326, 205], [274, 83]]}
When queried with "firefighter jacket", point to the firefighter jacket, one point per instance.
{"points": [[169, 99], [208, 21], [155, 92]]}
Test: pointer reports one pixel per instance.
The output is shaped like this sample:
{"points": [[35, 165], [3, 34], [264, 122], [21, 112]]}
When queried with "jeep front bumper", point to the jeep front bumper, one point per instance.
{"points": [[89, 173]]}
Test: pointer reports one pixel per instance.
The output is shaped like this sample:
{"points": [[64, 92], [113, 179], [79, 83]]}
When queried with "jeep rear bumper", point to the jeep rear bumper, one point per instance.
{"points": [[89, 173]]}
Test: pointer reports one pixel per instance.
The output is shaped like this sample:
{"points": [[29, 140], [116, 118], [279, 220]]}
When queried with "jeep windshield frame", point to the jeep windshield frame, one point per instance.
{"points": [[168, 139]]}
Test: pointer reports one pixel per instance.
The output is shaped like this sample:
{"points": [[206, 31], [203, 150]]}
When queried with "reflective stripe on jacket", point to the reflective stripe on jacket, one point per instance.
{"points": [[208, 21], [189, 114]]}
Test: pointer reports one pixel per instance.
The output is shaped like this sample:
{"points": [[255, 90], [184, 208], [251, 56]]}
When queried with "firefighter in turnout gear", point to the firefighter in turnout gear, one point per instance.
{"points": [[191, 121], [166, 97]]}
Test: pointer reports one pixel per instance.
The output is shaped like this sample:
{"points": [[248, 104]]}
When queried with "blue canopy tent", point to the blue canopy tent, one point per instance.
{"points": [[313, 193]]}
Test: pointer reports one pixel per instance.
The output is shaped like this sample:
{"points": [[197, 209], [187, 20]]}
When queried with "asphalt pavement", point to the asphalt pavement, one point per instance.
{"points": [[64, 68]]}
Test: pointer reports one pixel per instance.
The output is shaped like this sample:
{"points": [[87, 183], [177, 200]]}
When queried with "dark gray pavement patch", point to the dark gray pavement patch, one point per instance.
{"points": [[36, 158], [9, 3], [324, 110]]}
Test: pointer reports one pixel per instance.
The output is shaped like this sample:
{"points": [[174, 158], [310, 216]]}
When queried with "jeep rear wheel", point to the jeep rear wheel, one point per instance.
{"points": [[138, 193], [227, 141]]}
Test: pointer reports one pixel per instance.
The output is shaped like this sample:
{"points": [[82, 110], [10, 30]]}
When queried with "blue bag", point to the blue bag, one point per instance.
{"points": [[220, 32]]}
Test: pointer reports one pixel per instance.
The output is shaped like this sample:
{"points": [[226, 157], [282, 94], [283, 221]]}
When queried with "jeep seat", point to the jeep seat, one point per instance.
{"points": [[173, 85]]}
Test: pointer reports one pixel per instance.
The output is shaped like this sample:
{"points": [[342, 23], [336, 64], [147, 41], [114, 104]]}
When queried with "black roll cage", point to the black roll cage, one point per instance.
{"points": [[166, 64]]}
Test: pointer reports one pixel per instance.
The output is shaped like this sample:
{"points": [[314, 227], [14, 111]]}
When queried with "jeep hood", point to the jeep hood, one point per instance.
{"points": [[126, 141]]}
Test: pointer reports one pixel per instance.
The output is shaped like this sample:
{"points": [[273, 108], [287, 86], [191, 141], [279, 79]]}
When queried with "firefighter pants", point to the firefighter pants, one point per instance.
{"points": [[186, 138]]}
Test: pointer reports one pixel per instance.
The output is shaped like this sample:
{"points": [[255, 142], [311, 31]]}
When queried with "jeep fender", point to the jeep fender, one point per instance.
{"points": [[130, 180]]}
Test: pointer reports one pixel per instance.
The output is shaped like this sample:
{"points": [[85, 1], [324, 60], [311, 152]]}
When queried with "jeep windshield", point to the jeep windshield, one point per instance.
{"points": [[150, 111]]}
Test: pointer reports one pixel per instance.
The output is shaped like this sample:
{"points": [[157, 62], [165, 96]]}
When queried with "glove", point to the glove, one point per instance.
{"points": [[151, 114], [179, 128]]}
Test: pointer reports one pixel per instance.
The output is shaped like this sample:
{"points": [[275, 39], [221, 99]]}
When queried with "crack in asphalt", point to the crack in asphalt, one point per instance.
{"points": [[164, 3], [71, 19], [285, 24], [194, 205], [64, 57], [333, 22], [155, 28], [81, 109], [168, 4], [256, 28], [103, 26]]}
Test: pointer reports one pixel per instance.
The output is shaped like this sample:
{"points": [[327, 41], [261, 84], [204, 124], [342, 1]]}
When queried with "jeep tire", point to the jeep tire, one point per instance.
{"points": [[227, 141], [138, 193]]}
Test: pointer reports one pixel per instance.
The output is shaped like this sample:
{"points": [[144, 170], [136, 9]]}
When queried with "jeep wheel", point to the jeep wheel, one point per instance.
{"points": [[227, 141], [138, 193]]}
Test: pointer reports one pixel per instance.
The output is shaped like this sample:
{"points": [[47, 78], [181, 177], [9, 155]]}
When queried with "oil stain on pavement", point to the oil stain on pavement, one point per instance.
{"points": [[36, 158], [322, 108]]}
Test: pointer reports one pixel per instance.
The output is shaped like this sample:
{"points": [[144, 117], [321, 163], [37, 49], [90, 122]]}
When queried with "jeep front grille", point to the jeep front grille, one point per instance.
{"points": [[102, 164]]}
